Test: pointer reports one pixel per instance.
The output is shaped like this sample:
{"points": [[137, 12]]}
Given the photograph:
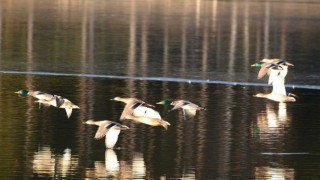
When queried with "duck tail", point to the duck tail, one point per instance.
{"points": [[165, 124]]}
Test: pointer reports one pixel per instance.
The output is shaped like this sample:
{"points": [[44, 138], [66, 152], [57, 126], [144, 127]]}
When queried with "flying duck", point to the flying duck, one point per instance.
{"points": [[137, 107], [189, 109], [108, 129]]}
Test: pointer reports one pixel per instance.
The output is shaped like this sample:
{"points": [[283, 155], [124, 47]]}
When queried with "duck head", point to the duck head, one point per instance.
{"points": [[256, 65], [165, 102], [23, 92], [116, 99], [90, 122]]}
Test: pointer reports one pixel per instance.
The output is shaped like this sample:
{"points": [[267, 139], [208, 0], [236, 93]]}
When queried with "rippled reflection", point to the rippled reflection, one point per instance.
{"points": [[109, 169], [273, 122], [269, 173], [46, 163], [111, 162], [272, 126], [113, 168]]}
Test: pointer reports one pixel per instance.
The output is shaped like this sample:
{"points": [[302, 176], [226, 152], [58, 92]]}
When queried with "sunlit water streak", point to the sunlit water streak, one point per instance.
{"points": [[285, 154], [169, 79]]}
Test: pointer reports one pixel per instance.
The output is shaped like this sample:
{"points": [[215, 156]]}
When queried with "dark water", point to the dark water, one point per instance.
{"points": [[91, 51]]}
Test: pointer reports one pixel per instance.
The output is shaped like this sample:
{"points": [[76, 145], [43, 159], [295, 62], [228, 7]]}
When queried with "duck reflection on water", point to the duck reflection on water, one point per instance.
{"points": [[271, 122], [46, 163], [112, 167], [267, 172], [271, 127]]}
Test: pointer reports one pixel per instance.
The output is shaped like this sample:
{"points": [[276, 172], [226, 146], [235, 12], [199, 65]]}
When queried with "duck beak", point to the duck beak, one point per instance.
{"points": [[159, 102], [17, 92], [253, 65], [75, 107]]}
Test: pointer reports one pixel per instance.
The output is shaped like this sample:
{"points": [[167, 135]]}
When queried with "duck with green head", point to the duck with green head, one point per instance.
{"points": [[265, 63], [36, 94], [189, 109], [277, 79], [51, 100]]}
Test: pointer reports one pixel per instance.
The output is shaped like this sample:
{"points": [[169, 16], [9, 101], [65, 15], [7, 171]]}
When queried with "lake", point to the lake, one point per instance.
{"points": [[92, 51]]}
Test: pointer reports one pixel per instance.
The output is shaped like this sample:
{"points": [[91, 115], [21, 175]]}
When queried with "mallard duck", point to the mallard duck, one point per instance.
{"points": [[265, 69], [189, 108], [137, 107], [149, 121], [278, 88], [60, 102], [277, 97], [277, 71], [108, 129], [51, 100], [36, 94]]}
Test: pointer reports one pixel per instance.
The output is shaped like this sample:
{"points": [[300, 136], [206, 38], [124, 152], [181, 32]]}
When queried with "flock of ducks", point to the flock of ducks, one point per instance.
{"points": [[142, 112], [135, 109], [277, 70]]}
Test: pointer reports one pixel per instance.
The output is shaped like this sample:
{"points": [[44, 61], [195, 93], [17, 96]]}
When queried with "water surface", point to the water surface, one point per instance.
{"points": [[91, 51], [215, 40], [238, 136]]}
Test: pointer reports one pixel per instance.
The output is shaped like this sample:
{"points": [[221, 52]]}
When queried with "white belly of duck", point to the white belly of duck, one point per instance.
{"points": [[111, 138], [147, 120], [146, 112]]}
